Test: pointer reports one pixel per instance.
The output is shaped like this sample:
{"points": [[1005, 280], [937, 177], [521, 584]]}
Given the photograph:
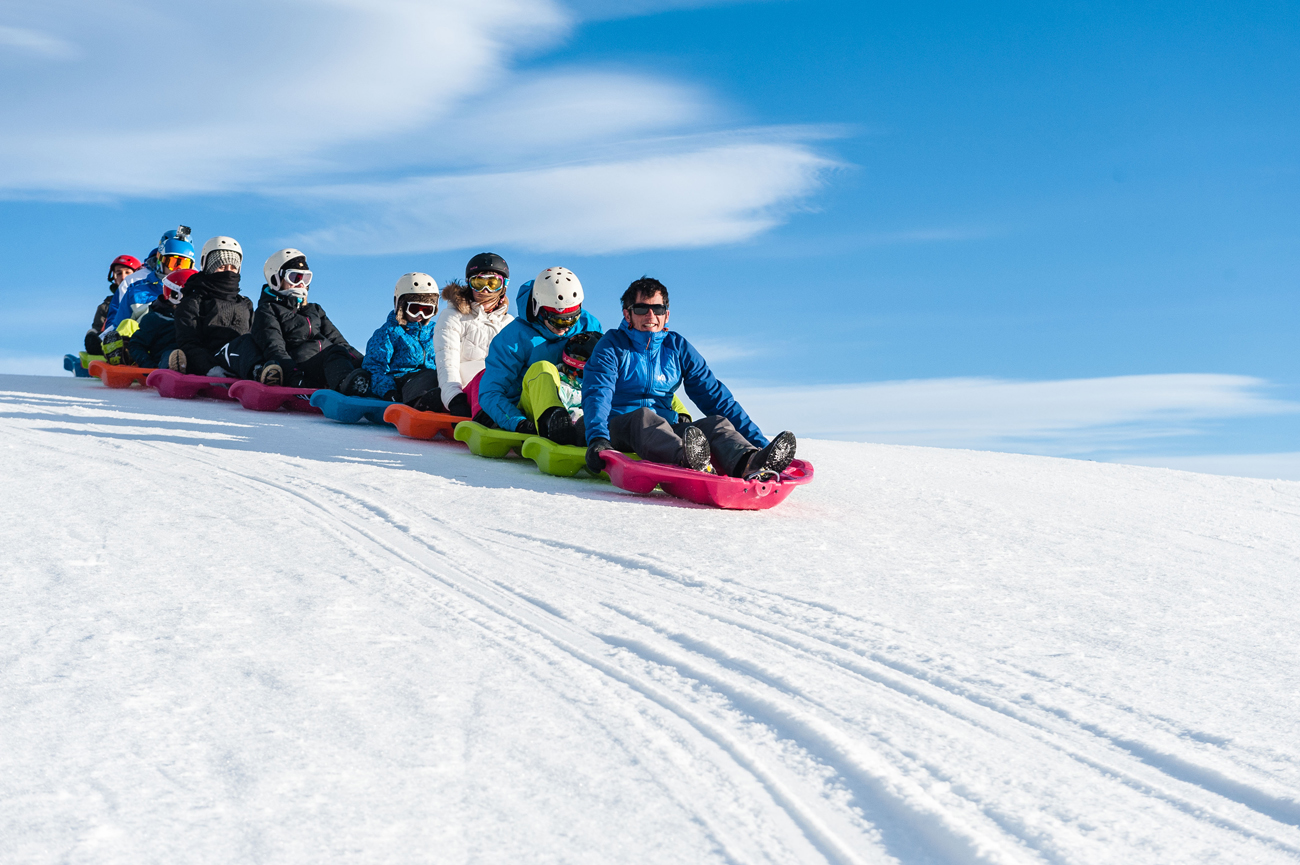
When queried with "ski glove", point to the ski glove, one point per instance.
{"points": [[459, 406], [526, 427], [594, 462]]}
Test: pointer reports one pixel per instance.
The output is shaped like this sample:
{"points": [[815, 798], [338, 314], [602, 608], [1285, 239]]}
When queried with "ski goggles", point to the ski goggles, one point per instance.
{"points": [[659, 309], [487, 282], [175, 262], [418, 310], [575, 363], [563, 319], [296, 277]]}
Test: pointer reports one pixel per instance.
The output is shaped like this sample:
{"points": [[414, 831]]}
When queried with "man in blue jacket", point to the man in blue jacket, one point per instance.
{"points": [[627, 391], [550, 311]]}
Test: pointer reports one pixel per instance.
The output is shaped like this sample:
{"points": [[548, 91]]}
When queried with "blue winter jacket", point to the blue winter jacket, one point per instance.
{"points": [[631, 369], [396, 350], [519, 345], [144, 292]]}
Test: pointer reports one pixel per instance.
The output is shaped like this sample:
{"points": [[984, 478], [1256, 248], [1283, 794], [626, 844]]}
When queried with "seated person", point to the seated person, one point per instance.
{"points": [[399, 356], [154, 341], [626, 399], [293, 343], [122, 267], [212, 311], [552, 312], [461, 338], [137, 292]]}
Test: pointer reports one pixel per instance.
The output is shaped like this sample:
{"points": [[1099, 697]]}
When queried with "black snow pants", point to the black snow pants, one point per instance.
{"points": [[653, 438], [326, 368], [420, 390]]}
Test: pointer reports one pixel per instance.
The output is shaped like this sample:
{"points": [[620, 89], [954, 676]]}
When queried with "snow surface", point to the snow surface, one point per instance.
{"points": [[297, 641]]}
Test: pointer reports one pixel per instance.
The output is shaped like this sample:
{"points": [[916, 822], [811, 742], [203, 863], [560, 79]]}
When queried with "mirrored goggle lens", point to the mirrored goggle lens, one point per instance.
{"points": [[561, 321], [487, 282], [421, 310], [647, 308], [177, 262], [297, 277]]}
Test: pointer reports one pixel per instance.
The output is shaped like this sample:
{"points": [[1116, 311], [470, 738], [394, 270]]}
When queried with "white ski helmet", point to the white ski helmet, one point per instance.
{"points": [[225, 245], [556, 287], [416, 283], [277, 261]]}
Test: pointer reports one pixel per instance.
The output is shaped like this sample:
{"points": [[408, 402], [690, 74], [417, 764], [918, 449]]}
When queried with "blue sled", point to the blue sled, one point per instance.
{"points": [[72, 363], [349, 409]]}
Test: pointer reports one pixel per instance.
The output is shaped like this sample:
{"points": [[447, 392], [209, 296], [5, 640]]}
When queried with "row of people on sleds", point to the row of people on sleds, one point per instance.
{"points": [[550, 372]]}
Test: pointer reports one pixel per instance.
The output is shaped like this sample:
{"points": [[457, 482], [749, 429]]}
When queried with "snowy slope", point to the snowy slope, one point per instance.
{"points": [[296, 641]]}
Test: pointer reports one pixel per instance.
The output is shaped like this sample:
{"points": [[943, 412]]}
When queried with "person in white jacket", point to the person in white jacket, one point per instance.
{"points": [[479, 310]]}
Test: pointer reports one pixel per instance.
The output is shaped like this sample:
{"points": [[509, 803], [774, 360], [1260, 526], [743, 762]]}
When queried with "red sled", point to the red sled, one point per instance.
{"points": [[737, 494], [259, 397], [421, 424], [175, 385], [118, 376]]}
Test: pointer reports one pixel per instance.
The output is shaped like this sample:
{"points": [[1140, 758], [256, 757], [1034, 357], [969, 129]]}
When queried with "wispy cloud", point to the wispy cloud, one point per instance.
{"points": [[1275, 466], [1065, 417], [406, 116], [693, 199], [34, 43]]}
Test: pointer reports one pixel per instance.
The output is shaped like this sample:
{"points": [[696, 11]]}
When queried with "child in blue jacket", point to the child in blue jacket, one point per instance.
{"points": [[400, 355]]}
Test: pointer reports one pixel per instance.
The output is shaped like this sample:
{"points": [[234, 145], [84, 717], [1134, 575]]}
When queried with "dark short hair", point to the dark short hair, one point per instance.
{"points": [[646, 286]]}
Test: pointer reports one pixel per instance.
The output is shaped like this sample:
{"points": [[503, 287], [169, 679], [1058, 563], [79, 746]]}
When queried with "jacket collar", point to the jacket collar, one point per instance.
{"points": [[642, 340]]}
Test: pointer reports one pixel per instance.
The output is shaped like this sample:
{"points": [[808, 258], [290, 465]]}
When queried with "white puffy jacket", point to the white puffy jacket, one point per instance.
{"points": [[462, 336]]}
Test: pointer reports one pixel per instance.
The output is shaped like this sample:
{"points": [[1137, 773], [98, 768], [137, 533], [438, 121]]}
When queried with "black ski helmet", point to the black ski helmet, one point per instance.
{"points": [[578, 349], [487, 261]]}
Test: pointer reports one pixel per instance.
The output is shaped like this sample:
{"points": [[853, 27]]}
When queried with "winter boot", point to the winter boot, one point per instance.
{"points": [[176, 361], [695, 449], [115, 349], [270, 375], [428, 402], [355, 383], [769, 462], [557, 426]]}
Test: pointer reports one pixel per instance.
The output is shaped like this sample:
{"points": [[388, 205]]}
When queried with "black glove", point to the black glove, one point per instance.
{"points": [[459, 406], [594, 462], [526, 427], [683, 417], [393, 396]]}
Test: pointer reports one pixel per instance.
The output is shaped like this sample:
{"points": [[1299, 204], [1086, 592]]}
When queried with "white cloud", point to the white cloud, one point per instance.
{"points": [[1073, 416], [35, 43], [699, 198], [1276, 466], [343, 96]]}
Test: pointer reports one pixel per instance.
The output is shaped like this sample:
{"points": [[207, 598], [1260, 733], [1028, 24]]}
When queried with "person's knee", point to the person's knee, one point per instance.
{"points": [[715, 423]]}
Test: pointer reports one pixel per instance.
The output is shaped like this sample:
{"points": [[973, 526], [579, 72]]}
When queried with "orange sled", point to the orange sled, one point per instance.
{"points": [[118, 376], [421, 424]]}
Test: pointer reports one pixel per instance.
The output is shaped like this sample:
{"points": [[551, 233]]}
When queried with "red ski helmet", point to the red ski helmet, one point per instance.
{"points": [[173, 284], [124, 261]]}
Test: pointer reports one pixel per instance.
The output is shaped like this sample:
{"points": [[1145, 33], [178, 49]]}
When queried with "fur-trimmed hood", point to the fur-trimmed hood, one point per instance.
{"points": [[459, 295]]}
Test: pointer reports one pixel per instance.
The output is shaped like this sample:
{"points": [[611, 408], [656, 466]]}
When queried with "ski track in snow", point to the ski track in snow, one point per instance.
{"points": [[302, 641]]}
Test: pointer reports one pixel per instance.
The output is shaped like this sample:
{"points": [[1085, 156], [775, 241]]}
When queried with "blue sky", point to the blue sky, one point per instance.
{"points": [[1066, 229]]}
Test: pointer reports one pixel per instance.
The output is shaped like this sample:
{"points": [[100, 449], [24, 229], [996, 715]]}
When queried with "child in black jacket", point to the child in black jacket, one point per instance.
{"points": [[294, 343]]}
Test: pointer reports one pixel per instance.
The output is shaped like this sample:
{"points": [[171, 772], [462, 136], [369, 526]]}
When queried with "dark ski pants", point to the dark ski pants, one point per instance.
{"points": [[326, 368], [653, 438], [420, 390], [238, 357]]}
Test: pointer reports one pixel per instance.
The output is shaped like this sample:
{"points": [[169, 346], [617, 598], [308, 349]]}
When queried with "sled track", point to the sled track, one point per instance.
{"points": [[890, 800], [842, 737]]}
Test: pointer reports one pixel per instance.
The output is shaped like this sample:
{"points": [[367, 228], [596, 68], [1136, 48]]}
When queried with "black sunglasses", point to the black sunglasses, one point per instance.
{"points": [[644, 308]]}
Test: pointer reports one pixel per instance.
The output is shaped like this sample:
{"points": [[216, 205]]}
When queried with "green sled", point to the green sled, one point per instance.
{"points": [[488, 442], [561, 460]]}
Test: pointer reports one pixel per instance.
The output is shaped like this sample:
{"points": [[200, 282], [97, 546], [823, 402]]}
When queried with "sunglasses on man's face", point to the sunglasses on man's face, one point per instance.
{"points": [[421, 310], [659, 309]]}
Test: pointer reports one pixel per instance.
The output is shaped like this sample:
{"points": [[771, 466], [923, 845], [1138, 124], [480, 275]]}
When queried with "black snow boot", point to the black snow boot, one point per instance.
{"points": [[355, 383], [557, 426], [695, 449], [770, 461]]}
